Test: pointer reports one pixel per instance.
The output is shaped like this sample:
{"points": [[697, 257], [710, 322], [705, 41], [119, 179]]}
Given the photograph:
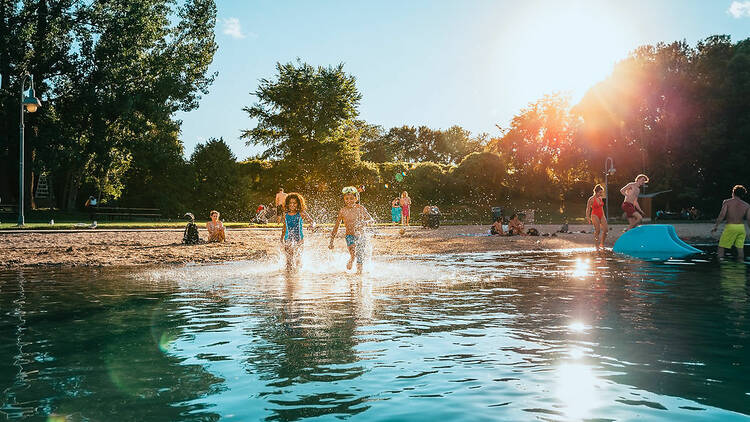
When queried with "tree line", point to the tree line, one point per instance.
{"points": [[113, 76]]}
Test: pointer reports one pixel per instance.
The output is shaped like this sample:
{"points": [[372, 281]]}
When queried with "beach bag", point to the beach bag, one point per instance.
{"points": [[191, 236]]}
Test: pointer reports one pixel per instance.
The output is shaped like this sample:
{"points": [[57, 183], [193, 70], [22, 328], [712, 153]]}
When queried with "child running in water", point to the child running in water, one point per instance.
{"points": [[292, 237], [595, 216], [355, 218]]}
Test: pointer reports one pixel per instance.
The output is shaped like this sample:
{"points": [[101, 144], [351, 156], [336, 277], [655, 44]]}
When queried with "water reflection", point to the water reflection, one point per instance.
{"points": [[508, 336]]}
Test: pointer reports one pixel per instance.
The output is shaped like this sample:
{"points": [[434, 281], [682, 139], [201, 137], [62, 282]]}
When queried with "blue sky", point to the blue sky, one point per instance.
{"points": [[438, 63]]}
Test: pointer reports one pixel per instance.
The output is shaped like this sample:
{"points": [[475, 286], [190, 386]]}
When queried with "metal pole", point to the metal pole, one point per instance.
{"points": [[20, 163], [609, 167]]}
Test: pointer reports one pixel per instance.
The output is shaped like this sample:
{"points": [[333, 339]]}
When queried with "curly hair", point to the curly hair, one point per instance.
{"points": [[301, 205], [598, 187]]}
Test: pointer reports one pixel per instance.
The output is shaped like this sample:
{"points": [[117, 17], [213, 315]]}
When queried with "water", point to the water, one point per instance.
{"points": [[494, 336]]}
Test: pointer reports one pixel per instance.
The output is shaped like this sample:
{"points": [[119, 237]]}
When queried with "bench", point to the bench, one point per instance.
{"points": [[124, 213], [9, 208]]}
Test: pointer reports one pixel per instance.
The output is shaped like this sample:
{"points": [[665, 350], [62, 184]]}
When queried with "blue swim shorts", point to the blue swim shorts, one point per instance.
{"points": [[359, 246]]}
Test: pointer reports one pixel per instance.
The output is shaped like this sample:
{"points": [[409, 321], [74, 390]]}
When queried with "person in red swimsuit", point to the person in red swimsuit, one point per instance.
{"points": [[595, 216]]}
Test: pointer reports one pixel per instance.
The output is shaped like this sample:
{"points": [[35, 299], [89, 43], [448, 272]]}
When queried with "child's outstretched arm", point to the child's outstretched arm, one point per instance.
{"points": [[335, 229]]}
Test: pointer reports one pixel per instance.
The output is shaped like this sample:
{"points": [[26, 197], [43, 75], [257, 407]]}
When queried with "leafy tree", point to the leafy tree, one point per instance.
{"points": [[543, 149], [217, 181], [107, 72], [302, 113]]}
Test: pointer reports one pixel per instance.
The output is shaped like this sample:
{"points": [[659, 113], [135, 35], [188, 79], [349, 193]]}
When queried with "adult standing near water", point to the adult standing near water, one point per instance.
{"points": [[595, 216], [280, 199], [405, 207], [630, 204], [736, 212]]}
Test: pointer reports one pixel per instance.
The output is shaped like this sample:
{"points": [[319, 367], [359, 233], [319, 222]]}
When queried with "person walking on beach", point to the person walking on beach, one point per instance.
{"points": [[292, 237], [630, 205], [405, 207], [355, 218], [737, 213], [595, 216], [280, 200]]}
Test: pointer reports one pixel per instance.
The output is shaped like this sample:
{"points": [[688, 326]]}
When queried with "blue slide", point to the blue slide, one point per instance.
{"points": [[653, 241]]}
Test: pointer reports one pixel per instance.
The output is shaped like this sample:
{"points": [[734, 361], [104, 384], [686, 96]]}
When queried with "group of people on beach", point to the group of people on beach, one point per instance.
{"points": [[734, 210], [595, 208], [401, 209]]}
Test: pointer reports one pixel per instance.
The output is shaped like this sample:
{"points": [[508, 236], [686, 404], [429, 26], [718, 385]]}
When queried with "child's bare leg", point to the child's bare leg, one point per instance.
{"points": [[720, 252], [351, 257], [597, 230], [740, 253]]}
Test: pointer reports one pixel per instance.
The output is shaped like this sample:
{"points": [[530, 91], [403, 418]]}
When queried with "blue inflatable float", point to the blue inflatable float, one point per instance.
{"points": [[653, 241]]}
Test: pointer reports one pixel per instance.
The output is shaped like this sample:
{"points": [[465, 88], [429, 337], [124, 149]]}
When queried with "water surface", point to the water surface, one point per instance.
{"points": [[494, 336]]}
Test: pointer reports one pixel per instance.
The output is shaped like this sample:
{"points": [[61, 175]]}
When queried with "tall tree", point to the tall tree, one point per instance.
{"points": [[106, 71], [303, 111]]}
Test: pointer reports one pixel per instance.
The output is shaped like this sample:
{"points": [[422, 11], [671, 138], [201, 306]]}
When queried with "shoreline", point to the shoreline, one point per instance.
{"points": [[148, 247]]}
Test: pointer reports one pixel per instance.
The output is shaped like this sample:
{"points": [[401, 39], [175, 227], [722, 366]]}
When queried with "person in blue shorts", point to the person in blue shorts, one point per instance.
{"points": [[355, 218]]}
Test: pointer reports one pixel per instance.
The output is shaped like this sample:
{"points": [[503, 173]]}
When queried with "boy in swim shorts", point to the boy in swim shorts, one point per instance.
{"points": [[355, 218], [630, 205], [736, 212]]}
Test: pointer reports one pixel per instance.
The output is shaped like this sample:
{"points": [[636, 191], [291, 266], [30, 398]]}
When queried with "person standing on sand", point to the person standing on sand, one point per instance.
{"points": [[630, 204], [595, 216], [405, 208], [737, 213], [280, 200]]}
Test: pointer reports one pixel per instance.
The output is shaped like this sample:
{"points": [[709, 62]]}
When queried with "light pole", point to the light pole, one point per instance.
{"points": [[609, 168], [28, 103]]}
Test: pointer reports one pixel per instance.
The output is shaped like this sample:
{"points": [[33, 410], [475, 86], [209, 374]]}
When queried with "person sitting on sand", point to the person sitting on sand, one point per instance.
{"points": [[215, 228], [292, 237], [355, 218], [595, 216], [515, 226], [737, 213], [405, 208], [497, 227]]}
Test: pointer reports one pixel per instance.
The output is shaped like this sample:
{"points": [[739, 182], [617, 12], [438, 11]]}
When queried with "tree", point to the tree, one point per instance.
{"points": [[543, 149], [107, 72], [217, 181], [302, 113]]}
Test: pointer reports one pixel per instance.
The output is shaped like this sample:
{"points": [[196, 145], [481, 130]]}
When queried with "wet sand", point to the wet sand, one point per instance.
{"points": [[96, 247]]}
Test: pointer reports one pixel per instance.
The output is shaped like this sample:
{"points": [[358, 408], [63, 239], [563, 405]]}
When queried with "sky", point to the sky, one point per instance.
{"points": [[472, 63]]}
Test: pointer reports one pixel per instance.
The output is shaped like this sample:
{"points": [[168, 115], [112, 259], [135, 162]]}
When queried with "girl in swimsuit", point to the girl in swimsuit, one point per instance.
{"points": [[595, 216], [292, 237]]}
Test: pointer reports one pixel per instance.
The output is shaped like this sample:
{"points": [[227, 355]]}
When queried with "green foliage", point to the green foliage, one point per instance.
{"points": [[109, 73], [418, 144], [219, 183], [679, 114], [302, 114]]}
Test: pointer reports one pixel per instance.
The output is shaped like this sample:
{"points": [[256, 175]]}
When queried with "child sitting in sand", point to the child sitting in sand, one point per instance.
{"points": [[215, 228], [355, 218], [515, 226], [497, 227], [292, 237]]}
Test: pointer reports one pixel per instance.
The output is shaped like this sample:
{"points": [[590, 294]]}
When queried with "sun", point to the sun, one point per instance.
{"points": [[563, 48]]}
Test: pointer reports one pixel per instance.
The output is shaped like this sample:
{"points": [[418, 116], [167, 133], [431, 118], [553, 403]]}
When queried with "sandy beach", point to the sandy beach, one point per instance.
{"points": [[96, 247]]}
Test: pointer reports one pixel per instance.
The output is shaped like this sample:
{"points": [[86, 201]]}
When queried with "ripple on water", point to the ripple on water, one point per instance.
{"points": [[511, 336]]}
